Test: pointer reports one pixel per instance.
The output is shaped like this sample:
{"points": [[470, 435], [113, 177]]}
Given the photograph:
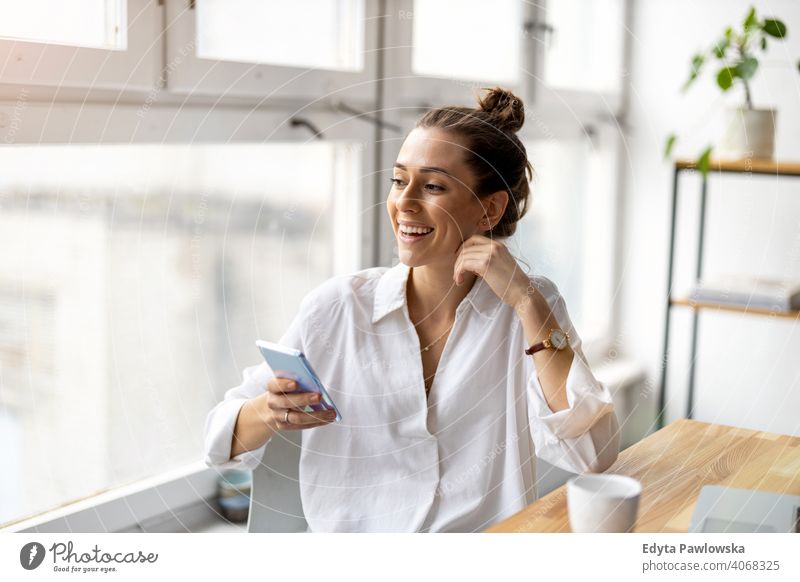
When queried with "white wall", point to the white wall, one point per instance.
{"points": [[748, 370]]}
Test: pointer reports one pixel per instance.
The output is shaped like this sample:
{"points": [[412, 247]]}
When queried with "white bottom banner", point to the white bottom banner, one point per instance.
{"points": [[407, 557]]}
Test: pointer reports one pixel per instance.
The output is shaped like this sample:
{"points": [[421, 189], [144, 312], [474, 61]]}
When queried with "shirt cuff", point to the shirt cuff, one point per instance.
{"points": [[219, 435], [588, 401]]}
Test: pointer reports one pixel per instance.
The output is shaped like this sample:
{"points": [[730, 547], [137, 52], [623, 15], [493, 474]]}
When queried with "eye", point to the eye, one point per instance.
{"points": [[396, 181], [434, 187]]}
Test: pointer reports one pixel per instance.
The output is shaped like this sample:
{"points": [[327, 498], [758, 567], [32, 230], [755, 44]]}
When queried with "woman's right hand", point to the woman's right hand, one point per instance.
{"points": [[282, 395]]}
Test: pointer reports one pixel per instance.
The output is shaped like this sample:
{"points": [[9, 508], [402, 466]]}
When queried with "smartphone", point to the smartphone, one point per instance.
{"points": [[291, 363]]}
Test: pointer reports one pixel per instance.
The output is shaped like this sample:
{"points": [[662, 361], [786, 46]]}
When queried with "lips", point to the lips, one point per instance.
{"points": [[412, 238]]}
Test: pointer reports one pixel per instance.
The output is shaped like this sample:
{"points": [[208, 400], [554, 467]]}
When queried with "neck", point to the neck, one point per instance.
{"points": [[432, 294]]}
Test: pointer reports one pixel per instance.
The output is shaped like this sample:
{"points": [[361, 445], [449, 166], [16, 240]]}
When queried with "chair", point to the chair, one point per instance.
{"points": [[275, 493], [275, 505]]}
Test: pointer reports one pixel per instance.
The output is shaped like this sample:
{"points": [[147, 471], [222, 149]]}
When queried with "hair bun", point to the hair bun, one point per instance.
{"points": [[505, 108]]}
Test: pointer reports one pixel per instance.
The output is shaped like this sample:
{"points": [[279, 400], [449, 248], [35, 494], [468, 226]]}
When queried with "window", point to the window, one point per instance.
{"points": [[88, 44], [584, 48], [309, 49], [85, 23], [328, 34], [438, 52], [472, 40], [567, 233], [140, 278]]}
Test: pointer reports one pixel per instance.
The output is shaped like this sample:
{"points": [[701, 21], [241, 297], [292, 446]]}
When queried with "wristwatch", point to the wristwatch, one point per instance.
{"points": [[558, 340]]}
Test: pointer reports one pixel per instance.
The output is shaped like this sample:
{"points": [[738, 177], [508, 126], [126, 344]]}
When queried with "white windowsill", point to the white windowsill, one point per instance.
{"points": [[140, 506]]}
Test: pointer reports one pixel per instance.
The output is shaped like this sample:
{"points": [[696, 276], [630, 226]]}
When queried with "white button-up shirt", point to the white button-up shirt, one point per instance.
{"points": [[461, 460]]}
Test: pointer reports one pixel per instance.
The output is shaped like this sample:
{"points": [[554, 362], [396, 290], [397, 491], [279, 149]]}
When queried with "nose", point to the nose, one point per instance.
{"points": [[407, 198]]}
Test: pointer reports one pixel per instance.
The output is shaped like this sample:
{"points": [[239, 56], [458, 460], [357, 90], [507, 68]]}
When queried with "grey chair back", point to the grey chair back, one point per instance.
{"points": [[275, 505], [549, 477]]}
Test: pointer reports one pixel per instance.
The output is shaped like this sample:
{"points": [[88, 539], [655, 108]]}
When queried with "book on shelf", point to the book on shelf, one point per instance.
{"points": [[748, 291]]}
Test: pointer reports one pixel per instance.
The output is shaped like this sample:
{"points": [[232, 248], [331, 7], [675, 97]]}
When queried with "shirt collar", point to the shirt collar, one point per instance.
{"points": [[390, 294]]}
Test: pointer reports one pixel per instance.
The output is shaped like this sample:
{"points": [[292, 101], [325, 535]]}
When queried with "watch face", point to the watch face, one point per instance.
{"points": [[559, 339]]}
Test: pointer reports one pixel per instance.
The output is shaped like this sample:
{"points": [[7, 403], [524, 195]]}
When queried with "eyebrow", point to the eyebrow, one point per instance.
{"points": [[427, 169]]}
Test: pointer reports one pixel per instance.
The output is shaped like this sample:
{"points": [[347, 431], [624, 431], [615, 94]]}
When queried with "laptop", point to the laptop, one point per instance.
{"points": [[729, 510]]}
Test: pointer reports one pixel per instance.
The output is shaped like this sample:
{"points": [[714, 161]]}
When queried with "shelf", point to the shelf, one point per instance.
{"points": [[746, 166], [794, 314]]}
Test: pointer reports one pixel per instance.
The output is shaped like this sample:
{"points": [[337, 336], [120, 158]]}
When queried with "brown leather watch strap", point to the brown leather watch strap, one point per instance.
{"points": [[535, 348]]}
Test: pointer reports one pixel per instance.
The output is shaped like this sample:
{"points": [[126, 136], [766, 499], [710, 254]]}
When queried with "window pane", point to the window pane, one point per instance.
{"points": [[325, 34], [138, 281], [86, 23], [566, 234], [453, 40], [585, 49]]}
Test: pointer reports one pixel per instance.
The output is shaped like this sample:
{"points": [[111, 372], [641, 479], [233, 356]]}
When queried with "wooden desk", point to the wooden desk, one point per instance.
{"points": [[673, 464]]}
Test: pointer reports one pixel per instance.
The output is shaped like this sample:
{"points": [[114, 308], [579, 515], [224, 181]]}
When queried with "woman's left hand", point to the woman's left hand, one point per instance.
{"points": [[492, 261]]}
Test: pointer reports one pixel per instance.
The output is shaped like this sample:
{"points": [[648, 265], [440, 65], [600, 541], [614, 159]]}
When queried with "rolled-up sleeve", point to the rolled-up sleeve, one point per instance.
{"points": [[585, 436], [220, 422]]}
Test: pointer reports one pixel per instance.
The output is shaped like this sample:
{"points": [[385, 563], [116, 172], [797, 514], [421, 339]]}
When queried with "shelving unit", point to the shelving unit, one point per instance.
{"points": [[737, 308], [762, 167]]}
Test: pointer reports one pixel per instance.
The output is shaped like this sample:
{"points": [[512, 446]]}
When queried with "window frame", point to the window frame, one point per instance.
{"points": [[59, 65], [120, 7], [406, 86], [583, 102], [192, 75]]}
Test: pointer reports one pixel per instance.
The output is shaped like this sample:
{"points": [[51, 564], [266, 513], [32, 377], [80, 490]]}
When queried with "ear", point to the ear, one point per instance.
{"points": [[494, 206]]}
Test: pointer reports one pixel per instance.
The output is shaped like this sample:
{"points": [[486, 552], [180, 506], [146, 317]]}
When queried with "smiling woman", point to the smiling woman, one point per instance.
{"points": [[460, 173], [478, 383]]}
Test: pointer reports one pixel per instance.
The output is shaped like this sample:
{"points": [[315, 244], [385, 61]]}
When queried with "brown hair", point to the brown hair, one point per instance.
{"points": [[494, 153]]}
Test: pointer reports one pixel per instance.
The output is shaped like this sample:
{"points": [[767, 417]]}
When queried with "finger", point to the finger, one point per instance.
{"points": [[293, 401], [473, 253], [474, 250], [299, 418], [283, 426], [462, 266], [281, 385], [312, 417], [476, 239]]}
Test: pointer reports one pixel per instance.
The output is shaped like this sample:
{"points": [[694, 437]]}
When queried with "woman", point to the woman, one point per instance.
{"points": [[443, 409]]}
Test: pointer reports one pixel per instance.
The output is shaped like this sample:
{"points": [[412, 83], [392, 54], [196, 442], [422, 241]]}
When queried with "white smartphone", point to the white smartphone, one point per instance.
{"points": [[291, 363]]}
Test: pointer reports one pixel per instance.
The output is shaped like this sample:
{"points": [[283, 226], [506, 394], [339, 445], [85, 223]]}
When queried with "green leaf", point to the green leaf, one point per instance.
{"points": [[719, 48], [763, 43], [704, 162], [750, 21], [774, 28], [728, 33], [668, 145], [746, 68], [725, 77], [697, 63]]}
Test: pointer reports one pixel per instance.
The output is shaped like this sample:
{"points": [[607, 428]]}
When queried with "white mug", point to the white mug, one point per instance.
{"points": [[603, 503]]}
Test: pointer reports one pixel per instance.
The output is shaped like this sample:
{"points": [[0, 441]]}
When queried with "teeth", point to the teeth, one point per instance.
{"points": [[415, 229]]}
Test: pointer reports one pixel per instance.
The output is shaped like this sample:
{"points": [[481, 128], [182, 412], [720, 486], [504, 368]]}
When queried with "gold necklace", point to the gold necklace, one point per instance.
{"points": [[426, 348]]}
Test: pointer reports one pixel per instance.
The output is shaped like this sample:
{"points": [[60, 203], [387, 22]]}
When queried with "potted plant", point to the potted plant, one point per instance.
{"points": [[749, 132]]}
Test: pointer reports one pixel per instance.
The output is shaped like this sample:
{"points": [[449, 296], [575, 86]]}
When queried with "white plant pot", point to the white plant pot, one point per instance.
{"points": [[749, 133]]}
